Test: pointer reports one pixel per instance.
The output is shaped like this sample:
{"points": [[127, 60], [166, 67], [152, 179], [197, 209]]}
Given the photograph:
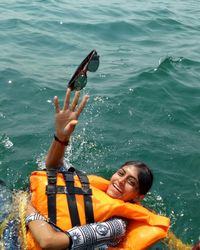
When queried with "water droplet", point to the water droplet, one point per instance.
{"points": [[130, 112], [2, 115], [158, 198], [7, 143]]}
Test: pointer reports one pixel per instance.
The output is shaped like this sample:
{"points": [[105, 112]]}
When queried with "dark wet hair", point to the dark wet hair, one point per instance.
{"points": [[145, 175]]}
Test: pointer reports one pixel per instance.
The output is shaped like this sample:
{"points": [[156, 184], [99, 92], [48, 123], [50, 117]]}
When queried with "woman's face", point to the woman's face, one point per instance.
{"points": [[124, 184]]}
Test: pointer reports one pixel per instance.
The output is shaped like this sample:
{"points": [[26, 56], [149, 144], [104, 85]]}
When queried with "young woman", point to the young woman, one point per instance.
{"points": [[129, 184]]}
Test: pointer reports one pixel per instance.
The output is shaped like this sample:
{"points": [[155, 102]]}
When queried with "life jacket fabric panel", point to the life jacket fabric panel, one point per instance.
{"points": [[145, 227], [140, 236]]}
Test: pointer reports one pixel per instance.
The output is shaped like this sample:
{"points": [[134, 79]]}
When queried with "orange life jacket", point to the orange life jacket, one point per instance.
{"points": [[145, 227]]}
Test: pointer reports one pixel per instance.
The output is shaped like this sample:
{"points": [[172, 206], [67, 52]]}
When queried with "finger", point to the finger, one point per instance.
{"points": [[67, 99], [56, 104], [75, 100], [82, 105]]}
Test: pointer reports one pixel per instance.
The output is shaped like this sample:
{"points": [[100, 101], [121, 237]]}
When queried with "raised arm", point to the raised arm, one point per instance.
{"points": [[65, 123]]}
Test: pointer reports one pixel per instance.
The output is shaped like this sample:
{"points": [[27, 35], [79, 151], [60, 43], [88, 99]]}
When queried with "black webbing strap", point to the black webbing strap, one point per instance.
{"points": [[89, 214], [70, 190], [64, 190], [51, 194], [71, 199]]}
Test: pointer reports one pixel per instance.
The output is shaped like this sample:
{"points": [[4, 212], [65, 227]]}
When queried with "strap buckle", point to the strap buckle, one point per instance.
{"points": [[51, 189], [52, 174]]}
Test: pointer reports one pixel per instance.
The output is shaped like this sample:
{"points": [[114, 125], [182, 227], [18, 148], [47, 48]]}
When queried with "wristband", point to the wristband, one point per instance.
{"points": [[65, 143], [34, 216]]}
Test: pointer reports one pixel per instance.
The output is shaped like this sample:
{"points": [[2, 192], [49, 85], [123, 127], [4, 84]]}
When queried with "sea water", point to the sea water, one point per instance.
{"points": [[144, 99]]}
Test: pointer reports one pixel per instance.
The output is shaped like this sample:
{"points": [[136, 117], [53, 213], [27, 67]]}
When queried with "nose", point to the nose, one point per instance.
{"points": [[122, 179]]}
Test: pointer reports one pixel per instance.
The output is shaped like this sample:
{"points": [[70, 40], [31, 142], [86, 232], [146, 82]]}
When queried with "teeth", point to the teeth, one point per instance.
{"points": [[115, 186]]}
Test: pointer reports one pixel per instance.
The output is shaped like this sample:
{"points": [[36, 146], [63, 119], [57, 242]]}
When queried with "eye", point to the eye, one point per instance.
{"points": [[132, 182], [120, 172]]}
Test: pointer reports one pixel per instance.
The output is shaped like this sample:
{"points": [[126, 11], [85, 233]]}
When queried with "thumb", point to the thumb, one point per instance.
{"points": [[70, 126]]}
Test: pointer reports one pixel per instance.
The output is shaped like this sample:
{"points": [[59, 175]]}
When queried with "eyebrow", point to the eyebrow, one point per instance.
{"points": [[130, 175]]}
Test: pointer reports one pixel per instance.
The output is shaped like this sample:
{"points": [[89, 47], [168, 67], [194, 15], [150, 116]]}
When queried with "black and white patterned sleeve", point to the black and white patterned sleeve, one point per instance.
{"points": [[97, 235]]}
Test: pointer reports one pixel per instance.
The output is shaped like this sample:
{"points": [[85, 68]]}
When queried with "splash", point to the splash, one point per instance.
{"points": [[6, 142]]}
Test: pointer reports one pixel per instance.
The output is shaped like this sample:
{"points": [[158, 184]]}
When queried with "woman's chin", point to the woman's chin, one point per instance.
{"points": [[113, 194]]}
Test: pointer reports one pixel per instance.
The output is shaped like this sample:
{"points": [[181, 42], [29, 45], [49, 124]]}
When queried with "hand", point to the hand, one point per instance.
{"points": [[67, 118]]}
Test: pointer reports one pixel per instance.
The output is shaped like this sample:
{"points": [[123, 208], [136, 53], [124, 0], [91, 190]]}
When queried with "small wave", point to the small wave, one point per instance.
{"points": [[108, 30], [12, 23], [169, 61], [9, 74], [179, 70], [168, 23], [166, 64]]}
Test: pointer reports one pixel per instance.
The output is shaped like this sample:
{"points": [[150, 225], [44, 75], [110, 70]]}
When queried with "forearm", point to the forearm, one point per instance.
{"points": [[55, 155], [47, 237], [98, 234], [43, 233]]}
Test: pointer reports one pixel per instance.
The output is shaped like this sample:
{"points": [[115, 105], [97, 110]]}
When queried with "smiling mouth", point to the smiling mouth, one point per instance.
{"points": [[117, 188]]}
